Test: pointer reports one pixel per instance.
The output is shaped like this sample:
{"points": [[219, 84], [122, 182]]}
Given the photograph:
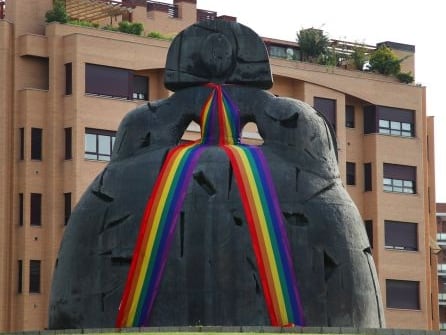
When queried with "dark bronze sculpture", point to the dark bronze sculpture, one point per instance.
{"points": [[211, 276]]}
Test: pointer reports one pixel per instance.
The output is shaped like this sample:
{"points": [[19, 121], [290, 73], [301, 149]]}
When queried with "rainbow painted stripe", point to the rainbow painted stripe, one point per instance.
{"points": [[220, 124]]}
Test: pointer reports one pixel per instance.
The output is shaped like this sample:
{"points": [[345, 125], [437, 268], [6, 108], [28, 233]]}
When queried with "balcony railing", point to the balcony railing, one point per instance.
{"points": [[170, 10], [205, 15], [442, 298], [2, 9], [441, 268]]}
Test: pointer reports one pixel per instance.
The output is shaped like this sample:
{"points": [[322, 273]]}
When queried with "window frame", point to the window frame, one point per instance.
{"points": [[350, 116], [350, 175], [35, 215], [35, 273], [97, 155], [403, 292], [396, 231], [399, 178], [36, 143]]}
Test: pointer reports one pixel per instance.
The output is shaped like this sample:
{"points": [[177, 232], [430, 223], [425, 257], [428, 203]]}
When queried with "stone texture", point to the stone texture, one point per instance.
{"points": [[211, 276]]}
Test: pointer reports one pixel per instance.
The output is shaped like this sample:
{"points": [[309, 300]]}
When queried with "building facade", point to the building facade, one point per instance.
{"points": [[64, 89], [441, 241]]}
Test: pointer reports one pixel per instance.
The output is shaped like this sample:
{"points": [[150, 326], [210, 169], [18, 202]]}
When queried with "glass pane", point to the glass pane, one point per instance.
{"points": [[90, 143], [395, 132], [384, 124], [387, 181], [91, 156], [104, 144], [406, 126], [397, 189], [384, 131], [408, 183], [388, 188], [406, 134], [397, 182], [104, 158], [395, 125], [408, 190]]}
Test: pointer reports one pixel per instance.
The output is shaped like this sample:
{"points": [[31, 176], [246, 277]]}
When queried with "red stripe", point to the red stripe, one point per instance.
{"points": [[259, 252], [135, 266]]}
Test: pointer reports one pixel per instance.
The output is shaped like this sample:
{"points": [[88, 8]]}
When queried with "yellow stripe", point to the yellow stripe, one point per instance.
{"points": [[154, 229], [267, 242]]}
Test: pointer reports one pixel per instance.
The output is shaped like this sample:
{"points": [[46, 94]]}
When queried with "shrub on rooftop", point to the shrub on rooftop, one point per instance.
{"points": [[58, 13]]}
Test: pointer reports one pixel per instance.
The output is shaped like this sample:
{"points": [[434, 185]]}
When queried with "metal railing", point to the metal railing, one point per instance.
{"points": [[205, 15], [171, 10], [2, 9]]}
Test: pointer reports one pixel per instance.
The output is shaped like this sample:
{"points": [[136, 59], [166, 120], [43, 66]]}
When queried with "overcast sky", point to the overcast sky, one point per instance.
{"points": [[420, 23]]}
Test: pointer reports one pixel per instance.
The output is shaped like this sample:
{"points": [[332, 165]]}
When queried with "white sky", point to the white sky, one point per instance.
{"points": [[420, 23]]}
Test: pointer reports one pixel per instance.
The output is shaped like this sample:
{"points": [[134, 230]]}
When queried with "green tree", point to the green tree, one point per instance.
{"points": [[131, 28], [384, 61], [58, 13], [313, 43], [358, 57]]}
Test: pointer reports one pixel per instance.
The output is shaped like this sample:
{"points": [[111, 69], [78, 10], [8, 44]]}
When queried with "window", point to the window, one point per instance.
{"points": [[99, 144], [351, 173], [36, 209], [140, 88], [367, 177], [327, 107], [399, 178], [395, 128], [20, 209], [402, 294], [389, 120], [19, 276], [22, 143], [36, 143], [68, 79], [369, 229], [34, 276], [67, 207], [350, 116], [108, 81], [68, 143], [401, 235]]}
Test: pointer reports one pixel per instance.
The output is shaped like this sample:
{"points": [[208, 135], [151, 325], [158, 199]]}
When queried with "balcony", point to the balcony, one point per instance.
{"points": [[442, 299], [441, 269], [170, 10], [441, 238]]}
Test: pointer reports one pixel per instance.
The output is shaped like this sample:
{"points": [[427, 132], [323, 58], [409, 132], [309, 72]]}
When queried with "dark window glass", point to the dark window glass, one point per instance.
{"points": [[399, 178], [369, 229], [68, 143], [19, 276], [68, 79], [389, 120], [370, 120], [99, 144], [36, 209], [350, 116], [34, 276], [351, 173], [402, 294], [22, 143], [108, 81], [67, 207], [36, 143], [327, 107], [140, 88], [367, 177], [20, 209], [401, 235]]}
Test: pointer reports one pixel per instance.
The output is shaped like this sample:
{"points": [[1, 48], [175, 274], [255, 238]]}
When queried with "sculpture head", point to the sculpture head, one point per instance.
{"points": [[220, 52]]}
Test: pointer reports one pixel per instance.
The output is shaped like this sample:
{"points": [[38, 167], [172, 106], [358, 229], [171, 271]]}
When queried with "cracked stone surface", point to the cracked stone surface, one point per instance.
{"points": [[211, 276]]}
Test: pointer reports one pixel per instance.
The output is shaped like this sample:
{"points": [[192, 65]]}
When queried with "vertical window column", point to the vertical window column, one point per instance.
{"points": [[67, 207], [351, 173], [21, 209], [34, 276], [367, 177], [21, 143], [36, 209], [327, 107], [68, 143], [36, 143], [350, 116], [19, 276]]}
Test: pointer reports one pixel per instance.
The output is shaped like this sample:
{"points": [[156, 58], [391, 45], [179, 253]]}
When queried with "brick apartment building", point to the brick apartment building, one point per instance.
{"points": [[59, 114]]}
